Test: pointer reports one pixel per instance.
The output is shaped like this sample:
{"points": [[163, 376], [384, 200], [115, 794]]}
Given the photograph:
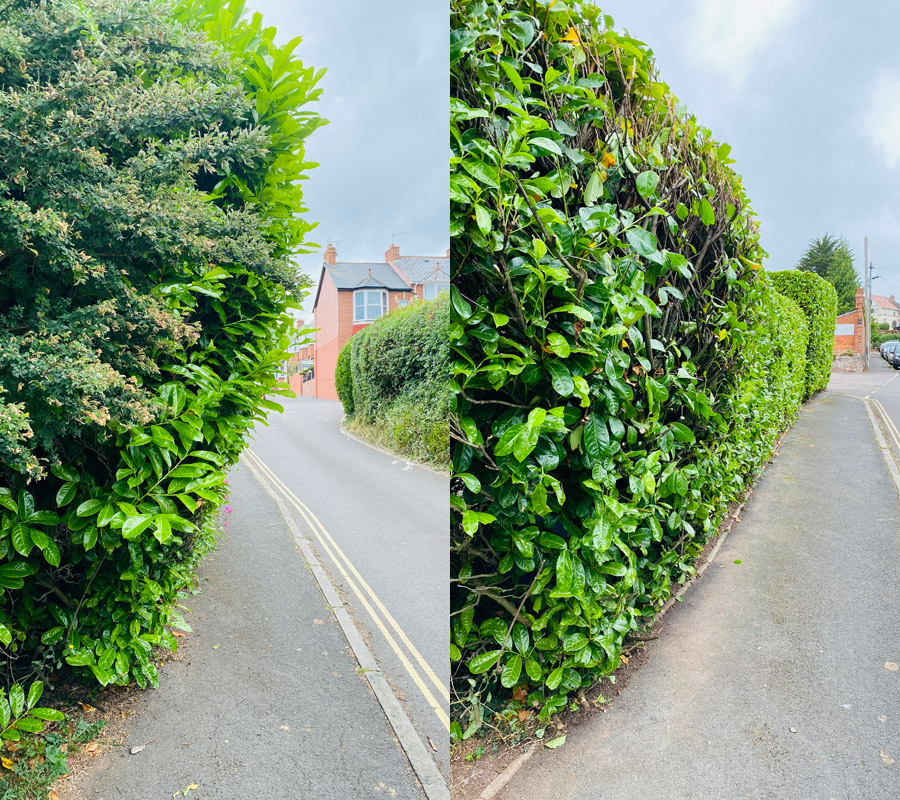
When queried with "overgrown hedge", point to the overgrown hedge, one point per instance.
{"points": [[817, 298], [623, 366], [148, 199], [392, 379]]}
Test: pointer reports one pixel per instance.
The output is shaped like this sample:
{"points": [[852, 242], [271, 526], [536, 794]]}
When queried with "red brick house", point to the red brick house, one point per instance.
{"points": [[428, 275], [298, 369], [352, 295]]}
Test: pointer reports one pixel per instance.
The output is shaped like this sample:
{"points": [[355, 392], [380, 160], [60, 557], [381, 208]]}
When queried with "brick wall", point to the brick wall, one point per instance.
{"points": [[854, 343], [849, 348]]}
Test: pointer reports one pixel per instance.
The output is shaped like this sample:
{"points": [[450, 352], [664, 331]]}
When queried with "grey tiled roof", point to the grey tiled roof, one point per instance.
{"points": [[350, 275], [422, 270]]}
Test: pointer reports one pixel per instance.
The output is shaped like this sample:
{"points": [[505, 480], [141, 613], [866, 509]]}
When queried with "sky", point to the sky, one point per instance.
{"points": [[807, 92], [383, 158]]}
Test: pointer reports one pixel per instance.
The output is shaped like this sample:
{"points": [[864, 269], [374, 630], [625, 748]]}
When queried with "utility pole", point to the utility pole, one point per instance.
{"points": [[867, 299]]}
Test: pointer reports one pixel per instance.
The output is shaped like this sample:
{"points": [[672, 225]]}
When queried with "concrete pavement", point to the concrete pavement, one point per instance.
{"points": [[777, 677], [390, 522], [267, 702]]}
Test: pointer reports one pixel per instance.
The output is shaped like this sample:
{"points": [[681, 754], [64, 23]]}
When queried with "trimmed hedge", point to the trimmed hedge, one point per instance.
{"points": [[343, 380], [392, 379], [623, 365], [817, 299]]}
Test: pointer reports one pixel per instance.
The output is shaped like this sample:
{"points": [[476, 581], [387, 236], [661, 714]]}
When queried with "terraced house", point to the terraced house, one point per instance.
{"points": [[352, 295]]}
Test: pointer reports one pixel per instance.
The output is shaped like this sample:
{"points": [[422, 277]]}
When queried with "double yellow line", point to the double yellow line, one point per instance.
{"points": [[888, 423], [360, 588]]}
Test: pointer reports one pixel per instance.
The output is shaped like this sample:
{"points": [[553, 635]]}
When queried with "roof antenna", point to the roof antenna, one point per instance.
{"points": [[394, 235]]}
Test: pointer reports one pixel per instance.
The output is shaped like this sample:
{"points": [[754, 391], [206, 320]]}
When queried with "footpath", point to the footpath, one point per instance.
{"points": [[777, 677], [267, 702]]}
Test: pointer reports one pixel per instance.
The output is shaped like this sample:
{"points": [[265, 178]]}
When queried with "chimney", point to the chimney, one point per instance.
{"points": [[393, 253], [448, 252], [330, 254]]}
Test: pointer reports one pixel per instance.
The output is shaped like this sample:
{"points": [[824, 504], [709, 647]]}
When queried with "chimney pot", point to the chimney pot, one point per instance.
{"points": [[392, 253], [330, 254]]}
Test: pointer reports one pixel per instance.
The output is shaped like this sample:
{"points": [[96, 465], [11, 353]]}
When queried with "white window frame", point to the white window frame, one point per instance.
{"points": [[362, 304], [437, 287]]}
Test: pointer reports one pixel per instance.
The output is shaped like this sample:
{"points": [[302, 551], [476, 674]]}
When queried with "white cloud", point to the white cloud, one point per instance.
{"points": [[725, 36], [883, 117]]}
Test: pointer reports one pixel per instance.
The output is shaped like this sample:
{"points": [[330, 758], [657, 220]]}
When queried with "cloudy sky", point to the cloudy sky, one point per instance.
{"points": [[807, 92], [383, 157]]}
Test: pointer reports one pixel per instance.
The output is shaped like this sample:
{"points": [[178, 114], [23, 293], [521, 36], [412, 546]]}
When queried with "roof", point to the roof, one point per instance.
{"points": [[884, 302], [350, 275], [420, 269]]}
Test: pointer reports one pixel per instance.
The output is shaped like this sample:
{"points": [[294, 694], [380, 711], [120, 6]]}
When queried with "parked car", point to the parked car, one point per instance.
{"points": [[890, 352], [887, 348]]}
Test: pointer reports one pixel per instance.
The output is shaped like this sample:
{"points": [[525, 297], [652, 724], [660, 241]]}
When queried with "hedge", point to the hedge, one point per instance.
{"points": [[392, 379], [622, 364], [817, 298], [343, 380], [148, 199]]}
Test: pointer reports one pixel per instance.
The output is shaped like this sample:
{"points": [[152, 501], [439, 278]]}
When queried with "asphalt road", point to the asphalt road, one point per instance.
{"points": [[391, 520], [267, 700], [777, 677]]}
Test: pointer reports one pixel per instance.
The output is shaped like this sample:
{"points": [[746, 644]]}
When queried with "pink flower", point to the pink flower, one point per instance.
{"points": [[227, 509]]}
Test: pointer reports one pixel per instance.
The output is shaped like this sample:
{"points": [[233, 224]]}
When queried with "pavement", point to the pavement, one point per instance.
{"points": [[390, 522], [267, 701], [777, 677]]}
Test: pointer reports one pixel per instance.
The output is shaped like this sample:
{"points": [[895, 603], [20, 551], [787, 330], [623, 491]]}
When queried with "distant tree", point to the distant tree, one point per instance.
{"points": [[832, 259]]}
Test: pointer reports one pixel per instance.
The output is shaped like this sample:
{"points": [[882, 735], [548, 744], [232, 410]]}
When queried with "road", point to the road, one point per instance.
{"points": [[777, 676], [391, 521], [266, 699], [881, 387]]}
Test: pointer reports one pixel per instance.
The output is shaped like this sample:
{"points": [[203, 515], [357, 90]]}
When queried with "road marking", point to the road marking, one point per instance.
{"points": [[318, 527], [409, 464], [889, 423], [885, 448], [432, 781]]}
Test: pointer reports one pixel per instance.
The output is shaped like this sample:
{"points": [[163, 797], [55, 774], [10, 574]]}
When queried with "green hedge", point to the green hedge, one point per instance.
{"points": [[880, 337], [397, 386], [148, 199], [343, 380], [817, 298], [622, 364], [773, 383]]}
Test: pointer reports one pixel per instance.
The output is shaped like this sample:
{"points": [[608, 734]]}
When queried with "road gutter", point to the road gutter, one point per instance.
{"points": [[395, 456], [882, 443], [433, 783], [499, 783]]}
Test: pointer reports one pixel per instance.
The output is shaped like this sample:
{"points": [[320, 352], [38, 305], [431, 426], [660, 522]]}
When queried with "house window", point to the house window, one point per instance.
{"points": [[432, 290], [369, 304], [402, 302]]}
